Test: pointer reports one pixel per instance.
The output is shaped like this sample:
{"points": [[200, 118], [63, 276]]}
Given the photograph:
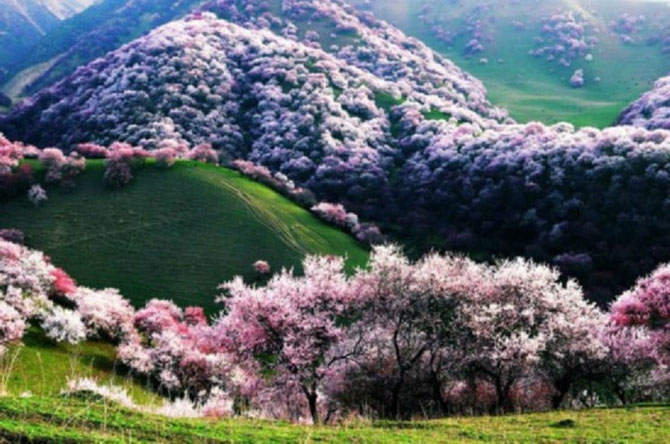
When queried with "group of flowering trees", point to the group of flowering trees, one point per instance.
{"points": [[398, 338], [587, 201], [565, 37], [32, 290], [121, 159], [626, 26]]}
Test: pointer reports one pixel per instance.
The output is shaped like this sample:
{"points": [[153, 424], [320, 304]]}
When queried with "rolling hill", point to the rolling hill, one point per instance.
{"points": [[494, 39], [173, 234]]}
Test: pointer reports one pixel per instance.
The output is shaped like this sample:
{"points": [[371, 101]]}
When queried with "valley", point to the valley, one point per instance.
{"points": [[335, 221]]}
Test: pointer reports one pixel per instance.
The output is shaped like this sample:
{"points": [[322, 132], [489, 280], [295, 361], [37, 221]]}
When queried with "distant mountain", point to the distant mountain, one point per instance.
{"points": [[65, 46], [64, 9], [23, 22]]}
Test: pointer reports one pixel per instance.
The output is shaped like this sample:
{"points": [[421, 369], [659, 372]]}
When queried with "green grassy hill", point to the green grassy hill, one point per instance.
{"points": [[173, 234], [533, 89], [77, 419]]}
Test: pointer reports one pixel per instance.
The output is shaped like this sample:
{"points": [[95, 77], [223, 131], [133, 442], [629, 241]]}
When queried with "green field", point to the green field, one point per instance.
{"points": [[86, 419], [42, 367], [173, 234], [532, 89]]}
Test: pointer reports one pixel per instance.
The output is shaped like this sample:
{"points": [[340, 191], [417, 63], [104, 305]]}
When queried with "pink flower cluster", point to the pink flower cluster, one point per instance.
{"points": [[14, 178], [564, 38], [647, 306], [61, 168], [33, 290], [261, 267], [204, 153], [626, 26], [336, 214], [121, 160], [177, 348], [27, 285]]}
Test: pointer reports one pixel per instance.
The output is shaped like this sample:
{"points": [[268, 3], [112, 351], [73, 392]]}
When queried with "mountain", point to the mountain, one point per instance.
{"points": [[23, 22], [351, 108], [64, 9], [324, 119], [527, 51], [103, 27]]}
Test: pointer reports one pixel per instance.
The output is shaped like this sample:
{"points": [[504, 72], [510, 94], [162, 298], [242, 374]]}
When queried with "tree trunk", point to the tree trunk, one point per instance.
{"points": [[395, 398], [562, 388], [504, 403], [437, 395], [620, 392], [311, 400]]}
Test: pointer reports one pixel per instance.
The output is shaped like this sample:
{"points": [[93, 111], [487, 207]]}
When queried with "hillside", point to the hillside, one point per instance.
{"points": [[24, 22], [513, 47], [652, 109], [173, 234], [383, 126], [85, 420], [84, 37]]}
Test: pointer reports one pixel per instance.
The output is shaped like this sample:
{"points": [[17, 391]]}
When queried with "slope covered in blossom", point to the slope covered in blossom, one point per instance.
{"points": [[652, 109], [360, 38], [526, 51], [391, 144], [256, 95]]}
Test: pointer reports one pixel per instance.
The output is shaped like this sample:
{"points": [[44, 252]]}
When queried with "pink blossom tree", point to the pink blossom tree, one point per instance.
{"points": [[105, 313], [647, 306], [175, 349], [408, 313], [120, 162], [92, 151], [629, 363], [291, 328], [204, 153], [37, 195], [12, 326], [524, 321]]}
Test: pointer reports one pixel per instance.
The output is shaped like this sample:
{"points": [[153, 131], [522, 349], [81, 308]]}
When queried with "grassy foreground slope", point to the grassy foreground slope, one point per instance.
{"points": [[61, 419], [42, 367], [173, 234]]}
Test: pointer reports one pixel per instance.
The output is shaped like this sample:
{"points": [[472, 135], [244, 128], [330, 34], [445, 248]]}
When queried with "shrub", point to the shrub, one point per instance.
{"points": [[37, 195], [12, 235], [204, 153], [261, 267]]}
